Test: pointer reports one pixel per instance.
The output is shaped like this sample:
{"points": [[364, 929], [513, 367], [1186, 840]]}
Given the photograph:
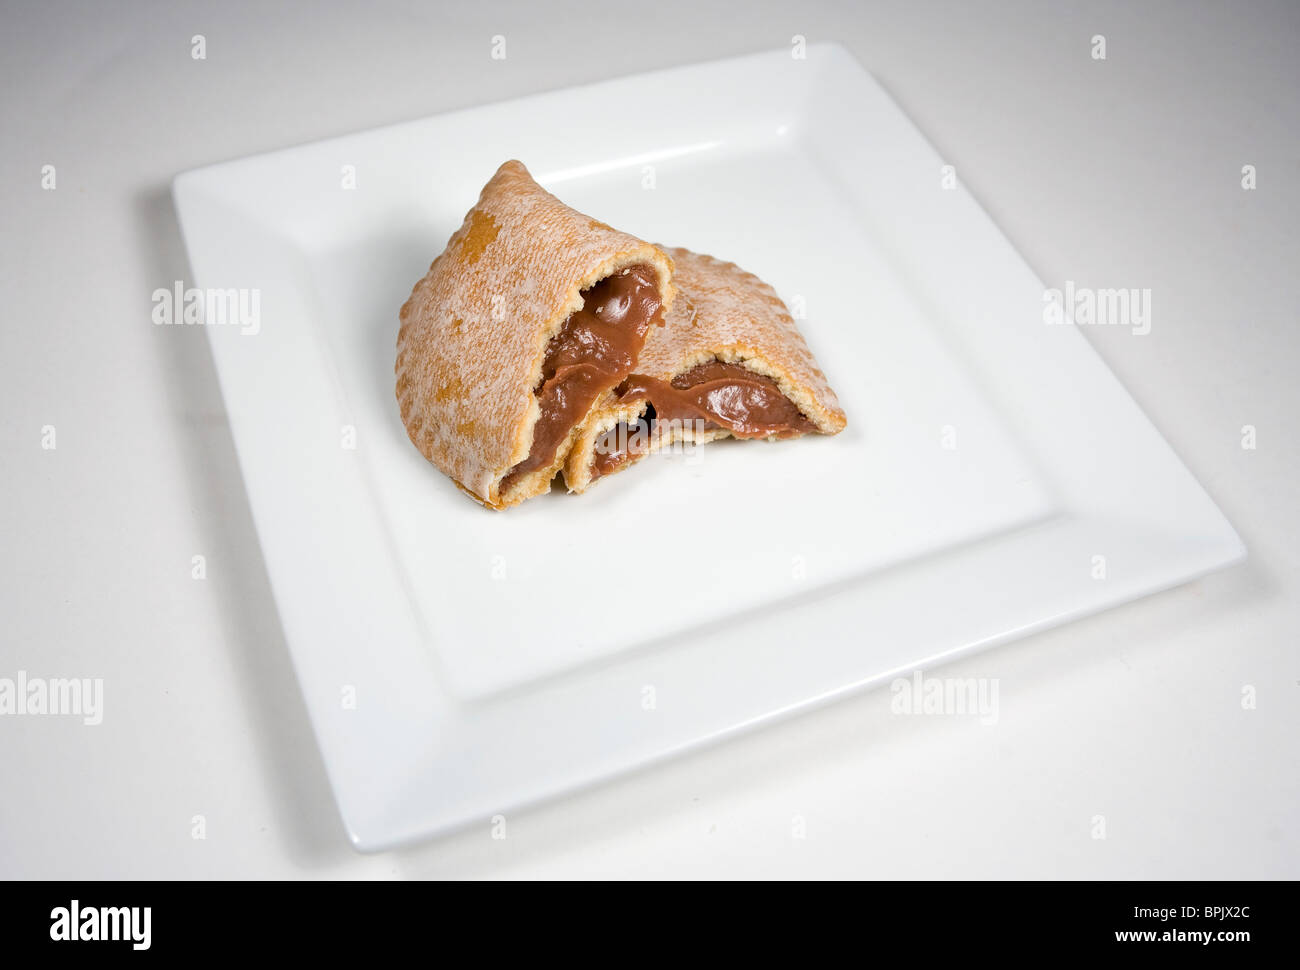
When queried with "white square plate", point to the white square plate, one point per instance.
{"points": [[458, 663]]}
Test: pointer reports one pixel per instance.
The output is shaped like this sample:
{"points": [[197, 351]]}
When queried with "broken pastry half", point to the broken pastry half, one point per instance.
{"points": [[530, 316], [730, 362]]}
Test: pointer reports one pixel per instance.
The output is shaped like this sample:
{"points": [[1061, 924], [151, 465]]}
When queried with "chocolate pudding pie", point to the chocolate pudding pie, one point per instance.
{"points": [[531, 316]]}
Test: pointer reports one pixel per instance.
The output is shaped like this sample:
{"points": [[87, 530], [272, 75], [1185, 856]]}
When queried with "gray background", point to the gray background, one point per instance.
{"points": [[1121, 173]]}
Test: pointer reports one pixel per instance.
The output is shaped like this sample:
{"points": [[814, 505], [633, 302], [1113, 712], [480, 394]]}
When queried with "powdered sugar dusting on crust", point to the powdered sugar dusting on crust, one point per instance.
{"points": [[474, 331]]}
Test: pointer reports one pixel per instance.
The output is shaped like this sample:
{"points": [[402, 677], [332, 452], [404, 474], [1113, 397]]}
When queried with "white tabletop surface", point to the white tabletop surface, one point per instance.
{"points": [[1123, 172]]}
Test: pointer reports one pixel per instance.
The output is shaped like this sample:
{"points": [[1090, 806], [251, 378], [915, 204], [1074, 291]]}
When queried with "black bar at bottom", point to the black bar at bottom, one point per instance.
{"points": [[333, 920]]}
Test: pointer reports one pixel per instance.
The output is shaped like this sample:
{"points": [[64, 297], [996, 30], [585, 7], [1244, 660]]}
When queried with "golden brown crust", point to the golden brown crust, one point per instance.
{"points": [[722, 313], [474, 331]]}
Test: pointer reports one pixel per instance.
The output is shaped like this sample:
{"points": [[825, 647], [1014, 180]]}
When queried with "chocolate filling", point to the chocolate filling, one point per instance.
{"points": [[714, 395], [594, 350]]}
